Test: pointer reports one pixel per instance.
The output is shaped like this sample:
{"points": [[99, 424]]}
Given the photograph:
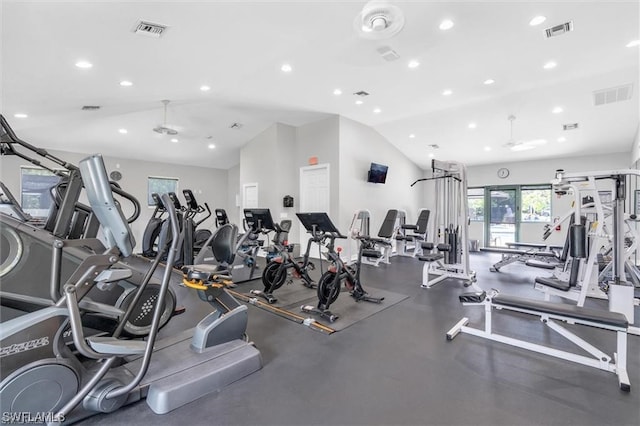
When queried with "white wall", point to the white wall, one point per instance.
{"points": [[540, 172], [360, 145], [635, 148], [208, 185]]}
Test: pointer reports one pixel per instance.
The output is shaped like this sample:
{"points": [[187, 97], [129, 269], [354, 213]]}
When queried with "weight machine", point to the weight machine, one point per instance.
{"points": [[450, 236]]}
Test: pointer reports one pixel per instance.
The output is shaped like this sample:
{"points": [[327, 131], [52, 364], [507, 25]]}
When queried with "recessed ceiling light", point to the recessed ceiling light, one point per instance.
{"points": [[126, 83], [633, 43], [487, 148], [174, 140], [286, 68], [549, 65], [412, 136], [431, 155], [211, 146], [337, 92], [205, 88], [489, 81], [413, 64], [472, 125], [447, 24], [537, 20], [562, 139], [557, 110], [359, 102], [20, 115], [377, 111], [123, 131], [447, 92], [84, 64]]}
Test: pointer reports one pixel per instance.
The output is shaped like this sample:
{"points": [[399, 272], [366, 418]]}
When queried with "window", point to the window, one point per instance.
{"points": [[160, 185], [536, 203], [35, 192], [475, 197]]}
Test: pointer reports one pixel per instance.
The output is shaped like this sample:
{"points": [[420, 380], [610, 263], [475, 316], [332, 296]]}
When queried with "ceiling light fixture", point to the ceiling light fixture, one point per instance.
{"points": [[562, 139], [378, 20], [411, 136], [633, 43], [522, 147], [489, 81], [447, 92], [359, 102], [557, 110], [20, 115], [84, 64], [211, 146], [377, 111], [537, 20], [487, 148], [205, 88], [431, 155], [413, 64], [126, 83], [447, 24], [123, 131], [550, 65], [337, 92], [472, 125], [174, 140], [286, 68]]}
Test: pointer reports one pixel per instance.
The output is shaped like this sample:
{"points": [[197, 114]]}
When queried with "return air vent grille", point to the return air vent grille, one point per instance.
{"points": [[90, 108], [149, 29], [559, 29], [361, 93], [570, 126], [387, 53], [434, 146], [613, 94]]}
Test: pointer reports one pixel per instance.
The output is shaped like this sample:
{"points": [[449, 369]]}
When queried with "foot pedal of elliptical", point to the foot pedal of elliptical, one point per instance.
{"points": [[179, 310]]}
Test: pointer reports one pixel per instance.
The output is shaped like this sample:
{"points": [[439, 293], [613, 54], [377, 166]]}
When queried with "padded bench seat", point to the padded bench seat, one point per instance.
{"points": [[539, 264], [554, 283], [504, 250], [432, 257], [614, 319]]}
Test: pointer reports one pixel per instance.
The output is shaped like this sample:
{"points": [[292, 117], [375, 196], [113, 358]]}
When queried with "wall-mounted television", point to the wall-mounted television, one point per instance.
{"points": [[377, 173]]}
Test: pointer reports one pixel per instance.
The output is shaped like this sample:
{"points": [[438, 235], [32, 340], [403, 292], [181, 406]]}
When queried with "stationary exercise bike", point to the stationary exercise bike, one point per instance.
{"points": [[284, 265], [338, 272]]}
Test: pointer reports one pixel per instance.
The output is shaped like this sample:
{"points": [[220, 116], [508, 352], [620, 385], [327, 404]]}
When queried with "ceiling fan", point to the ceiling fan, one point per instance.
{"points": [[514, 145], [163, 128]]}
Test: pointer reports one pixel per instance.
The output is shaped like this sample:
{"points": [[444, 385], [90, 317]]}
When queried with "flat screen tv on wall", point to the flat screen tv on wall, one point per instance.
{"points": [[377, 173]]}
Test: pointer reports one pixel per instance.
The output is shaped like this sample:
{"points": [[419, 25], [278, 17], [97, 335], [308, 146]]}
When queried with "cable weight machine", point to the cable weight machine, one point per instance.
{"points": [[446, 249]]}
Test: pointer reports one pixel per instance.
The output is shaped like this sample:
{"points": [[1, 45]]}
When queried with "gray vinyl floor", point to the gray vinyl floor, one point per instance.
{"points": [[397, 368]]}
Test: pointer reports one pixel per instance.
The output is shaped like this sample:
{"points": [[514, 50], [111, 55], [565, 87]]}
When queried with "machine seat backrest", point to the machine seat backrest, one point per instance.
{"points": [[115, 228], [423, 222], [223, 243], [388, 225]]}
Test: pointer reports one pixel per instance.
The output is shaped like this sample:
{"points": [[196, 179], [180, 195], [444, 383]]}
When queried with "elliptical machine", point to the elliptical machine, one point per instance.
{"points": [[194, 238], [152, 230], [41, 376]]}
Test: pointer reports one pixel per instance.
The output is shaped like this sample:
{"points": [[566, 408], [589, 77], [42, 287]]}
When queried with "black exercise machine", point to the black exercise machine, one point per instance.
{"points": [[338, 272]]}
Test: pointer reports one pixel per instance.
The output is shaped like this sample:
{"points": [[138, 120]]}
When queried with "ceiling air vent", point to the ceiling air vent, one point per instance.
{"points": [[387, 53], [361, 93], [559, 29], [570, 126], [90, 108], [434, 146], [613, 94], [150, 29], [236, 126]]}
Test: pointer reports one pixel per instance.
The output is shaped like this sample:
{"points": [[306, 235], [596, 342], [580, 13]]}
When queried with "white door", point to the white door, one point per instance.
{"points": [[314, 197], [249, 199]]}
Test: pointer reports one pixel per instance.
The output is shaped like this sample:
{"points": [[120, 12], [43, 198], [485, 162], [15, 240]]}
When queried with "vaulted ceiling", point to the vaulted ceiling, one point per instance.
{"points": [[237, 49]]}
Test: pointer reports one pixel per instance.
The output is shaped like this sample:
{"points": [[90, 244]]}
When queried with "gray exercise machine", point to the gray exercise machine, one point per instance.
{"points": [[409, 241], [40, 373]]}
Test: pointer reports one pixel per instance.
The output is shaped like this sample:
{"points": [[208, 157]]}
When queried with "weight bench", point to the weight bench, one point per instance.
{"points": [[409, 244], [533, 257], [551, 314]]}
